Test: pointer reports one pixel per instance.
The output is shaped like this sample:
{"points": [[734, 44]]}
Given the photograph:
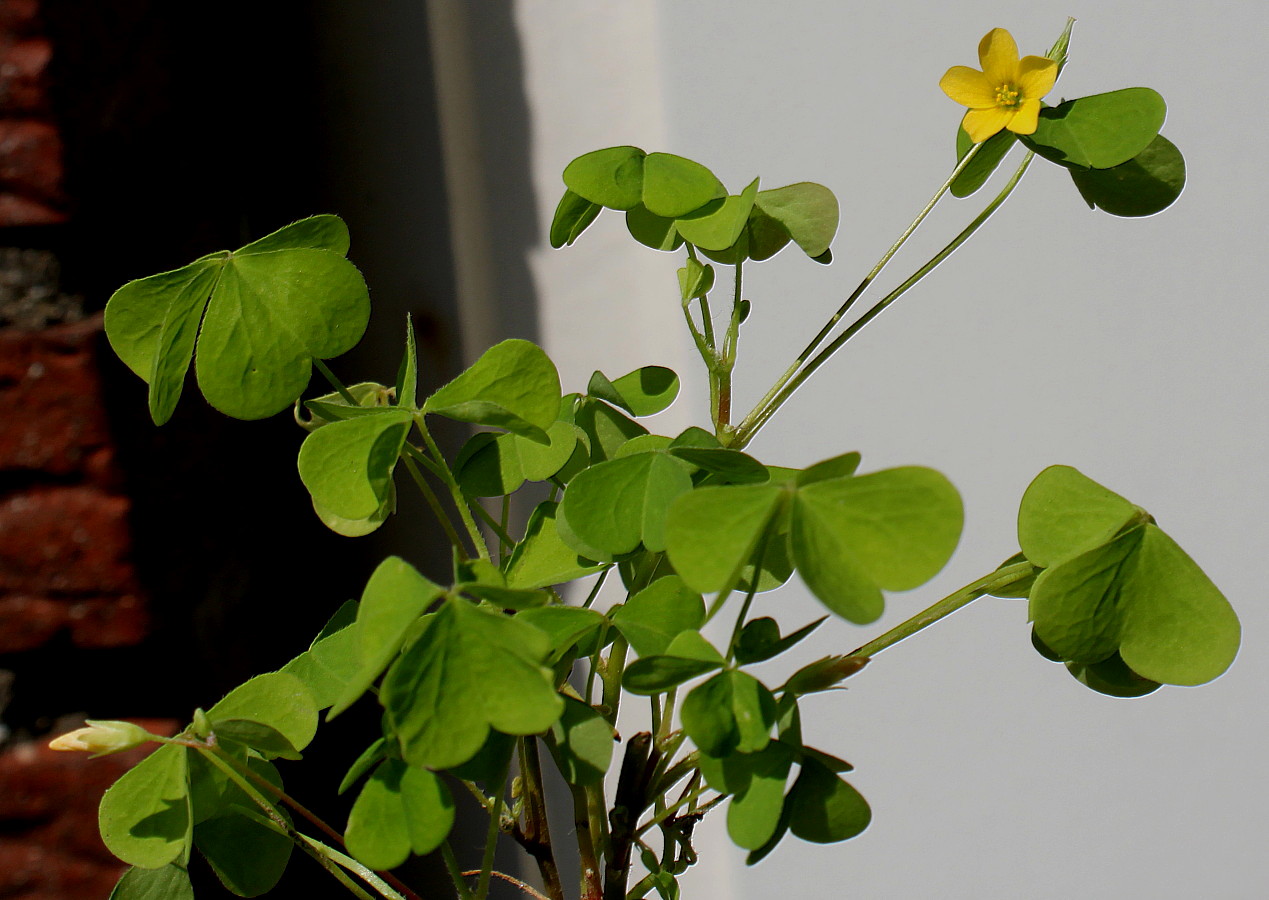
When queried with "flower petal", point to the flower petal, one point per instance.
{"points": [[1036, 76], [999, 56], [981, 124], [1025, 118], [968, 87]]}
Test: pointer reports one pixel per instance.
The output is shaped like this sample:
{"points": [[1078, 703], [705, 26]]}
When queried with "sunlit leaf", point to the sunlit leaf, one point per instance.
{"points": [[612, 177], [513, 386], [145, 816], [1100, 131]]}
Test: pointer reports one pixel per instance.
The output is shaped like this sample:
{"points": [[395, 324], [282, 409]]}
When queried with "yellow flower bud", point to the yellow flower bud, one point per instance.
{"points": [[102, 737]]}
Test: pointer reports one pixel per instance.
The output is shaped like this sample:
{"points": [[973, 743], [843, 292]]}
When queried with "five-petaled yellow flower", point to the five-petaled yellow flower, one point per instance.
{"points": [[1006, 93]]}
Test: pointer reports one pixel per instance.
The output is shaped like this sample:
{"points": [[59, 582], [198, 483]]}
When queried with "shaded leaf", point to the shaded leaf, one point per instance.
{"points": [[247, 855], [582, 742], [985, 161], [347, 466], [401, 809], [823, 808], [753, 816], [572, 216], [145, 817], [643, 392], [1146, 184], [170, 882], [807, 211], [730, 712], [469, 671]]}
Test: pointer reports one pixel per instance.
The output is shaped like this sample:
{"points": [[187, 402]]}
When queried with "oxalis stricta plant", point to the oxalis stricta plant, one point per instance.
{"points": [[500, 670]]}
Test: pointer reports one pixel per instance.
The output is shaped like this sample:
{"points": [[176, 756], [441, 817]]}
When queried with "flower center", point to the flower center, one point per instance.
{"points": [[1008, 96]]}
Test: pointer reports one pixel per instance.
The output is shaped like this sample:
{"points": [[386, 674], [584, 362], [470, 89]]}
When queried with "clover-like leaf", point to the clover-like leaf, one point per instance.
{"points": [[542, 559], [892, 530], [513, 386], [572, 216], [145, 816], [674, 186], [718, 224], [655, 616], [252, 320], [985, 161], [644, 392], [469, 671], [347, 465], [401, 810], [276, 699], [247, 853], [615, 505], [496, 464], [393, 600], [1064, 513], [754, 813], [170, 882], [1100, 131], [730, 712], [582, 742], [612, 177], [806, 210], [1144, 185], [711, 533], [823, 808]]}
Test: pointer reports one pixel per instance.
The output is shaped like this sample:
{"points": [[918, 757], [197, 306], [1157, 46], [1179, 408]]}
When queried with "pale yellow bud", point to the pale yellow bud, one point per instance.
{"points": [[102, 737]]}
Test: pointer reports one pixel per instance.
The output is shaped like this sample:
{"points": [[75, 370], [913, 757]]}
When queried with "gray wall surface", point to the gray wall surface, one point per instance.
{"points": [[1131, 349]]}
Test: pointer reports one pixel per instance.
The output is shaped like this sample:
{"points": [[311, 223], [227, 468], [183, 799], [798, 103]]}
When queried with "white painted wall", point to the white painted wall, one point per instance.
{"points": [[1132, 349]]}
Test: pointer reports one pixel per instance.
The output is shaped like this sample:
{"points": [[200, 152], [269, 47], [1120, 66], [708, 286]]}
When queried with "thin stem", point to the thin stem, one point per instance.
{"points": [[753, 590], [327, 861], [988, 584], [613, 671], [494, 525], [688, 798], [592, 887], [455, 871], [334, 382], [491, 836], [761, 414], [516, 881], [594, 591], [433, 501], [456, 492], [371, 877]]}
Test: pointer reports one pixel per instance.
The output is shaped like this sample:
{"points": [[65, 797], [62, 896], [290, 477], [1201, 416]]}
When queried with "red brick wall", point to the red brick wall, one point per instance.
{"points": [[66, 577]]}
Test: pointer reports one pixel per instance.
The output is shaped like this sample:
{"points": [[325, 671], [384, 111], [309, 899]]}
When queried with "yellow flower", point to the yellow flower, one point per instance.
{"points": [[1006, 93], [102, 737]]}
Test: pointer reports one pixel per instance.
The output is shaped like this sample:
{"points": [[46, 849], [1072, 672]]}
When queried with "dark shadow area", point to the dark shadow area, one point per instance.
{"points": [[191, 128]]}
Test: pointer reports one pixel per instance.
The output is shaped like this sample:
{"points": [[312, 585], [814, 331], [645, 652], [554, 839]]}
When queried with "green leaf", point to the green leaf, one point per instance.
{"points": [[824, 809], [401, 809], [513, 386], [494, 465], [892, 530], [612, 177], [652, 618], [347, 466], [367, 396], [490, 762], [727, 466], [695, 279], [649, 675], [371, 756], [606, 429], [258, 317], [643, 392], [719, 224], [582, 743], [276, 699], [1142, 596], [616, 505], [145, 817], [1112, 677], [711, 532], [754, 815], [807, 211], [1065, 513], [1100, 131], [985, 161], [264, 739], [674, 186], [247, 855], [764, 236], [651, 230], [393, 600], [823, 674], [730, 712], [333, 659], [469, 671], [563, 626], [171, 882], [760, 639], [1144, 185], [842, 466], [407, 384], [572, 216], [542, 559]]}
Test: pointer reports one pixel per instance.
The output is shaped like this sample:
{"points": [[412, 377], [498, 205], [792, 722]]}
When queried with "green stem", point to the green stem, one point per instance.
{"points": [[456, 492], [334, 382], [687, 799], [761, 414], [753, 590], [432, 501], [328, 858], [491, 836], [536, 835], [455, 872], [613, 671], [988, 584], [592, 887], [594, 591], [494, 525]]}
